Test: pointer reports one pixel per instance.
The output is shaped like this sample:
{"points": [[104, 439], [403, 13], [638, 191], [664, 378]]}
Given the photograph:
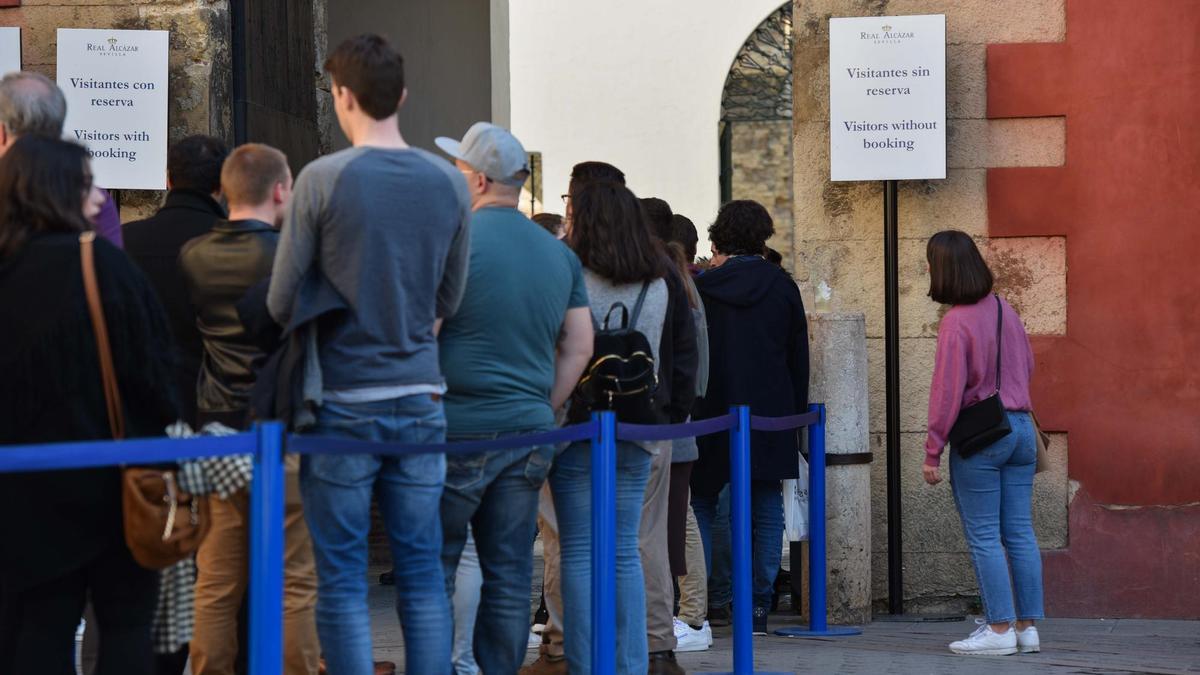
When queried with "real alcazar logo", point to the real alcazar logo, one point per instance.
{"points": [[886, 36], [113, 48]]}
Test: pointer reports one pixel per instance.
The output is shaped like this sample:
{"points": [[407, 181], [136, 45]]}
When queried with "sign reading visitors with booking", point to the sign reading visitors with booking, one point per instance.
{"points": [[115, 82], [10, 50], [887, 97]]}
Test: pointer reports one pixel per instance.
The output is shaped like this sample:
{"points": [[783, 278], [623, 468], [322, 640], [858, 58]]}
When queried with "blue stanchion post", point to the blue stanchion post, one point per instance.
{"points": [[743, 571], [266, 552], [739, 509], [604, 543], [818, 611], [817, 601]]}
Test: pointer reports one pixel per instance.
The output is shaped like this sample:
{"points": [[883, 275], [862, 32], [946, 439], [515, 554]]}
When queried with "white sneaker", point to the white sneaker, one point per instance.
{"points": [[1028, 641], [707, 632], [987, 642], [688, 639], [534, 642]]}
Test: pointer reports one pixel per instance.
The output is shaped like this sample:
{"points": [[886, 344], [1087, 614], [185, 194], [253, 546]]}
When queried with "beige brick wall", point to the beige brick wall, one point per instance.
{"points": [[199, 68], [762, 171], [838, 240]]}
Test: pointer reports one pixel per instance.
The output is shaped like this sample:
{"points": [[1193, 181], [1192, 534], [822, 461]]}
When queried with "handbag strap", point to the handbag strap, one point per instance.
{"points": [[637, 309], [999, 337], [108, 373]]}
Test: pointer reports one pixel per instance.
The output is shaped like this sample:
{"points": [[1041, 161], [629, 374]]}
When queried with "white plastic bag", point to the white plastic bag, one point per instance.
{"points": [[795, 505]]}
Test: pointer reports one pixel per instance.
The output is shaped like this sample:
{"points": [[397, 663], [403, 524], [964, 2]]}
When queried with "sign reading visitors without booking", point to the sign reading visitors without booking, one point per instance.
{"points": [[115, 82], [887, 97], [10, 50]]}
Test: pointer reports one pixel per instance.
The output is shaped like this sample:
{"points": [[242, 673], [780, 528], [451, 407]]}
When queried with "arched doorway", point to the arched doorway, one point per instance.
{"points": [[756, 125]]}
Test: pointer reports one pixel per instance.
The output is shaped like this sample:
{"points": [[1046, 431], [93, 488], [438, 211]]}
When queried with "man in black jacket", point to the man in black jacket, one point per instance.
{"points": [[758, 339], [218, 269], [191, 208]]}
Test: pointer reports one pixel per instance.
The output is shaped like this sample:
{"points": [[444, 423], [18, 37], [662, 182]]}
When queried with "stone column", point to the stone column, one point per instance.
{"points": [[838, 360]]}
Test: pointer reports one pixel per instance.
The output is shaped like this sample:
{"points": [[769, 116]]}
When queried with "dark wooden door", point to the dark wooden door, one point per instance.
{"points": [[274, 77]]}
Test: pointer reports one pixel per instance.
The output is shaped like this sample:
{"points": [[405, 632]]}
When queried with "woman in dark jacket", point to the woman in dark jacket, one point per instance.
{"points": [[758, 346], [62, 530]]}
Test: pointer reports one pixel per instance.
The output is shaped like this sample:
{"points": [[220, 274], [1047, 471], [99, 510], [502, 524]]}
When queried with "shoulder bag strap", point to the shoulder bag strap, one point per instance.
{"points": [[637, 309], [999, 338], [608, 317], [108, 373]]}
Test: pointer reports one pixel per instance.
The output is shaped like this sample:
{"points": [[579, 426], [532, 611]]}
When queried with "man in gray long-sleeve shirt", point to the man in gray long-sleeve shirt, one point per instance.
{"points": [[385, 226]]}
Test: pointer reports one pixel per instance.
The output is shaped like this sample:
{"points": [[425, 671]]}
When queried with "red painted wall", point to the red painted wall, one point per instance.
{"points": [[1125, 380]]}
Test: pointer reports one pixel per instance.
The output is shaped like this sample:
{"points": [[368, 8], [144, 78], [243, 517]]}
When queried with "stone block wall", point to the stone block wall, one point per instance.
{"points": [[838, 241], [762, 171], [199, 70]]}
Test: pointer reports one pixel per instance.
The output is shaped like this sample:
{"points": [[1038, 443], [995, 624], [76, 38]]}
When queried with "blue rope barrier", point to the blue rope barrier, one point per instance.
{"points": [[788, 423], [135, 452], [267, 442], [667, 432]]}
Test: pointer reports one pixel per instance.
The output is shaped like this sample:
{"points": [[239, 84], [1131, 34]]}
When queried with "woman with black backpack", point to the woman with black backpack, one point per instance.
{"points": [[623, 270]]}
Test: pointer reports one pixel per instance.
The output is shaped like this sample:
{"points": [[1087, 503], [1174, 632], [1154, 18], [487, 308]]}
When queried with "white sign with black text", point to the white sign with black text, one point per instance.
{"points": [[10, 50], [115, 82], [887, 97]]}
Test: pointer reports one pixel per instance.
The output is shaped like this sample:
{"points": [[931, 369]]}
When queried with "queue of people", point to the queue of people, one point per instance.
{"points": [[392, 294]]}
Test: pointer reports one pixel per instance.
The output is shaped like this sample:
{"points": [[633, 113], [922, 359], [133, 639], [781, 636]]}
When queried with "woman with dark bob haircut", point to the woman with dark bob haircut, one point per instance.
{"points": [[62, 530], [610, 235], [993, 487], [758, 355]]}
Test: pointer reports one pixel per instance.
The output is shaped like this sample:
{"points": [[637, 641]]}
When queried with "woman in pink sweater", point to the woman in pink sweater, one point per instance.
{"points": [[993, 488]]}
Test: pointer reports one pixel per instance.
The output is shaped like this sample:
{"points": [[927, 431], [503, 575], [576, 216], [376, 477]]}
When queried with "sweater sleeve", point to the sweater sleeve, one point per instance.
{"points": [[946, 391], [299, 243], [684, 352]]}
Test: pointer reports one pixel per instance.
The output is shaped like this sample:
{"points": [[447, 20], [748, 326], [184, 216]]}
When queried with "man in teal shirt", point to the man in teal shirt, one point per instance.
{"points": [[511, 356]]}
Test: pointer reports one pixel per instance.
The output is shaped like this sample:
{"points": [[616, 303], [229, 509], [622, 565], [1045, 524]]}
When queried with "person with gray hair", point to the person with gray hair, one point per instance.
{"points": [[29, 104], [32, 105]]}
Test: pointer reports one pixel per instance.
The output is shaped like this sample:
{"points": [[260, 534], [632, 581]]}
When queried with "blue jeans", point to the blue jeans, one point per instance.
{"points": [[718, 555], [766, 522], [571, 483], [465, 601], [337, 505], [993, 490], [496, 494]]}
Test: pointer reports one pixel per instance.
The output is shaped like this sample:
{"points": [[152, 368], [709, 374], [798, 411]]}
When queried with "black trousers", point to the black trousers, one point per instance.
{"points": [[37, 624]]}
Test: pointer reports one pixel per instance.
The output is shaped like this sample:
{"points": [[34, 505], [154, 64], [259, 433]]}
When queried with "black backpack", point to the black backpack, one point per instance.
{"points": [[622, 375]]}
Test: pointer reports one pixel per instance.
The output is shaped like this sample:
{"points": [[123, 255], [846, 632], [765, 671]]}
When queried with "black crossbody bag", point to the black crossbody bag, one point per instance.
{"points": [[985, 422]]}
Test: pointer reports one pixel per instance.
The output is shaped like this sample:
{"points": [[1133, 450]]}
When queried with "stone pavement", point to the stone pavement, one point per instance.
{"points": [[1076, 646]]}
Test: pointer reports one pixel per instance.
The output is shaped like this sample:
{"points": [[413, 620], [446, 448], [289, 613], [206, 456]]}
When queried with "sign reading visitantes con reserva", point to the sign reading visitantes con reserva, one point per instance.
{"points": [[887, 97], [115, 82], [10, 50]]}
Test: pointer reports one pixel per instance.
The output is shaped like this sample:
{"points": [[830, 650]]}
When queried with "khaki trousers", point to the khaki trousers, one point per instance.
{"points": [[221, 580], [656, 564], [693, 586], [552, 637], [656, 559]]}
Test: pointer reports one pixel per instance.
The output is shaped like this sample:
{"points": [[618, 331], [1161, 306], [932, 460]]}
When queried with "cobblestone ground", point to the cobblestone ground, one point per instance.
{"points": [[1076, 646]]}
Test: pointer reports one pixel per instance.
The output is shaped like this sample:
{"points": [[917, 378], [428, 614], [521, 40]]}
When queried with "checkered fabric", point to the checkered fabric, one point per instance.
{"points": [[174, 618], [174, 615]]}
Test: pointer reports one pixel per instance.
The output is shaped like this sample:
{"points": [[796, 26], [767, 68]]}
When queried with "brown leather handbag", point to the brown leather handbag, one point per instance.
{"points": [[163, 524]]}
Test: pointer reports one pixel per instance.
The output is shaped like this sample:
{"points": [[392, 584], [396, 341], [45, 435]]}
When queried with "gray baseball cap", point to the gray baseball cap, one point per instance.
{"points": [[490, 150]]}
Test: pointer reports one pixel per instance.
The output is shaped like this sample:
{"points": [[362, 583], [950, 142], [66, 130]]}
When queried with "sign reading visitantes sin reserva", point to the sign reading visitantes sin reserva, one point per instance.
{"points": [[115, 82], [887, 97]]}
